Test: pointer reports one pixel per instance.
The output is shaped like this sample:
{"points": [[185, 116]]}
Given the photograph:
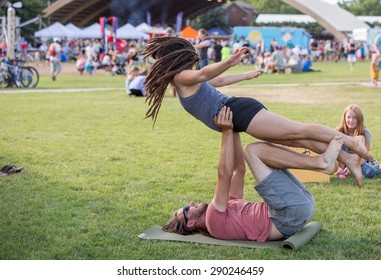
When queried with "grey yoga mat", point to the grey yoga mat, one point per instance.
{"points": [[294, 242]]}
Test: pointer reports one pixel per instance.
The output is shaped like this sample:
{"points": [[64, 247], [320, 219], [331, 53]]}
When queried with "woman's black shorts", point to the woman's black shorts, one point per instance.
{"points": [[244, 109]]}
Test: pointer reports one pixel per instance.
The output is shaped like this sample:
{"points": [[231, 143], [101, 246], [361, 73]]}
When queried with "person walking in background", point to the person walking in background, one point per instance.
{"points": [[352, 124], [374, 71], [351, 53], [202, 46], [55, 58]]}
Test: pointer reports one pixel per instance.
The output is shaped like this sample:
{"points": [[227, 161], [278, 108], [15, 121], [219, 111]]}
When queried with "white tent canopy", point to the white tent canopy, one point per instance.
{"points": [[55, 30], [271, 18], [144, 27], [73, 28], [93, 31], [128, 31]]}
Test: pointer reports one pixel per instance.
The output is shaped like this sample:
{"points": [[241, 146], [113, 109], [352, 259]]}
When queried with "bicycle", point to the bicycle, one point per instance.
{"points": [[15, 74], [36, 75]]}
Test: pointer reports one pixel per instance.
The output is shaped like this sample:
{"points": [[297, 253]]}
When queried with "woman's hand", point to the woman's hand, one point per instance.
{"points": [[254, 74], [237, 55]]}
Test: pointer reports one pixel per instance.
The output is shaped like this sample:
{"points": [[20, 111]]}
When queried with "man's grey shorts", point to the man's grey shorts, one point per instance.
{"points": [[55, 66], [291, 205]]}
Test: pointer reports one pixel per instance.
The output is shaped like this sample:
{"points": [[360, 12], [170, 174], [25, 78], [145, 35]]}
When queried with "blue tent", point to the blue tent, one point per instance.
{"points": [[217, 32]]}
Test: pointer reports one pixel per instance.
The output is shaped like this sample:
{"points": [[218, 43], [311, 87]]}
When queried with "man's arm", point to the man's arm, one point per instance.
{"points": [[226, 160], [239, 169]]}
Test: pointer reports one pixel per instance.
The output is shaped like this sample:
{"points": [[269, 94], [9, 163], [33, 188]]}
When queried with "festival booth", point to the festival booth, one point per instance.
{"points": [[189, 33], [284, 35]]}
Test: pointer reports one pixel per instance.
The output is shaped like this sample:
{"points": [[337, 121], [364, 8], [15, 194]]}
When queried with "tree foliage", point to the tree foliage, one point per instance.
{"points": [[272, 7], [30, 9], [362, 7], [213, 18]]}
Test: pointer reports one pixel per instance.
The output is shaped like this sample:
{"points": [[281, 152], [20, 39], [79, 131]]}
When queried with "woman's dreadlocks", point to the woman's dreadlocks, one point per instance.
{"points": [[172, 55]]}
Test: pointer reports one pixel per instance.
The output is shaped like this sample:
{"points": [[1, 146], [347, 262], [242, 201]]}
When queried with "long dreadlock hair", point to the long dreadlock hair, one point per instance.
{"points": [[172, 55]]}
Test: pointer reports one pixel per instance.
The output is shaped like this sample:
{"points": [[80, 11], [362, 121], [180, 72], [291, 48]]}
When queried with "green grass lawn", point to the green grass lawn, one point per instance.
{"points": [[97, 174]]}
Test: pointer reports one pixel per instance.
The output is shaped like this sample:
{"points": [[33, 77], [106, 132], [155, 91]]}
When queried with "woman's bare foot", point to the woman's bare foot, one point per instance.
{"points": [[330, 155], [354, 165]]}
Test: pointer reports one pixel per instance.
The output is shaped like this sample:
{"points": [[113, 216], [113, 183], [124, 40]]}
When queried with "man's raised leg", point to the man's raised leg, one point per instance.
{"points": [[262, 157]]}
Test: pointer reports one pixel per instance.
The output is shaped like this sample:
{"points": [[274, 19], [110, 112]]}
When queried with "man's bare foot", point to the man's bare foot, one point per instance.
{"points": [[329, 157], [360, 149]]}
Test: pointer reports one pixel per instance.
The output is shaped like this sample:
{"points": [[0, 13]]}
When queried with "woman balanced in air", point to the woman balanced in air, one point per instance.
{"points": [[175, 61]]}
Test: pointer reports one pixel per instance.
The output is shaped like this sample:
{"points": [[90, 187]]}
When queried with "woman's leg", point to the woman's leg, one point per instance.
{"points": [[275, 128]]}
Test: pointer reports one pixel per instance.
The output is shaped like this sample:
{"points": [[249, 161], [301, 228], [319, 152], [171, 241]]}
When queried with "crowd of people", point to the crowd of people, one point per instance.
{"points": [[278, 57], [288, 57]]}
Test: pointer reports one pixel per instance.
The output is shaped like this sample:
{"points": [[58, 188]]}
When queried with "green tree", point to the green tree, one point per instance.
{"points": [[29, 10], [272, 7], [362, 7], [213, 18]]}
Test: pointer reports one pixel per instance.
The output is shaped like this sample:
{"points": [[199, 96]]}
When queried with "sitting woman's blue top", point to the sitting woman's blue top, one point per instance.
{"points": [[205, 104]]}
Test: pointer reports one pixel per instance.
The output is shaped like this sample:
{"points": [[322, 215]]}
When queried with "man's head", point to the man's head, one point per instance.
{"points": [[189, 219]]}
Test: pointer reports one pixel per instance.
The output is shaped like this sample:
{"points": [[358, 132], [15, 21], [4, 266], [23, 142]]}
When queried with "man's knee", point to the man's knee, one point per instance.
{"points": [[252, 150], [249, 152]]}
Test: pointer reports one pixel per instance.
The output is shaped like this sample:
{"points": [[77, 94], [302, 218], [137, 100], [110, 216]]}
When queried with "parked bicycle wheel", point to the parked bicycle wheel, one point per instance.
{"points": [[24, 77], [36, 76]]}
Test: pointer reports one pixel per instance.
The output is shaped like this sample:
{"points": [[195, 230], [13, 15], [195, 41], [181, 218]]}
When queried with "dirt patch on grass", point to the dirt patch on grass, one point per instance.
{"points": [[302, 94]]}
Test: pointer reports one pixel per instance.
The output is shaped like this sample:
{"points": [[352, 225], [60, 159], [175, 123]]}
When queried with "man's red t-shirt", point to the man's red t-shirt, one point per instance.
{"points": [[242, 220]]}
